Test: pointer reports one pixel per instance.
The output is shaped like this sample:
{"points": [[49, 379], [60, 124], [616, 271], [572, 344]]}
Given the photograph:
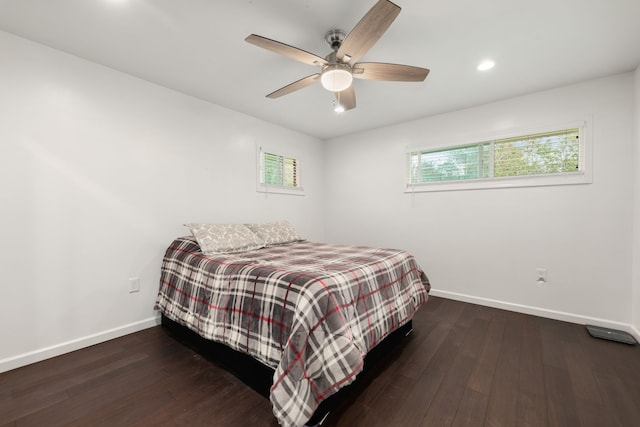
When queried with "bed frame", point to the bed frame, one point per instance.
{"points": [[260, 377]]}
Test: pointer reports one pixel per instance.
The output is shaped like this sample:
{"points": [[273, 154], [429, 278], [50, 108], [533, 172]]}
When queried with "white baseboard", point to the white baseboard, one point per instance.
{"points": [[536, 311], [73, 345]]}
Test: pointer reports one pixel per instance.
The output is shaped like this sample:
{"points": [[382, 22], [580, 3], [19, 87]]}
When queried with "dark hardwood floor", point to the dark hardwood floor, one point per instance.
{"points": [[463, 365]]}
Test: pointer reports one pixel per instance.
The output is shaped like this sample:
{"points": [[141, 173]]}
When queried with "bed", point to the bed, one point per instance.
{"points": [[309, 312]]}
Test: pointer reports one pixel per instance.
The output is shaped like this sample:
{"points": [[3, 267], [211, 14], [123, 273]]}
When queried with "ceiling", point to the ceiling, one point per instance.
{"points": [[197, 47]]}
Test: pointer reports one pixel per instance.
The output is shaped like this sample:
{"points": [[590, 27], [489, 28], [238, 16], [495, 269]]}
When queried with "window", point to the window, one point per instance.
{"points": [[278, 173], [544, 158]]}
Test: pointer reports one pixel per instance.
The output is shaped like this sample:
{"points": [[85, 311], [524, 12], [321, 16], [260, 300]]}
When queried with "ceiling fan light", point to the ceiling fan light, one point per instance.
{"points": [[336, 78]]}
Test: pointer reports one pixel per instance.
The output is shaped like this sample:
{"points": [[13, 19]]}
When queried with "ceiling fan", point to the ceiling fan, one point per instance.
{"points": [[340, 66]]}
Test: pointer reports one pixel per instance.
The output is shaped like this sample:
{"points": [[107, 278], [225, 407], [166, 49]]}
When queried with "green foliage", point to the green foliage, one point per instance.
{"points": [[537, 155]]}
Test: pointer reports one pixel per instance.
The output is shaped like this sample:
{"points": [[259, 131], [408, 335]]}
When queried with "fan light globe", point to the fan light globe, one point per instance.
{"points": [[336, 78]]}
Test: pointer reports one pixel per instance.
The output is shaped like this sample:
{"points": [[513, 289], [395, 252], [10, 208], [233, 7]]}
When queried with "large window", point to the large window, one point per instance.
{"points": [[278, 173], [544, 158]]}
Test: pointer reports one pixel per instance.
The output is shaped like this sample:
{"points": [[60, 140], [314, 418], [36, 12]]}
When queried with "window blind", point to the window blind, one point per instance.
{"points": [[280, 170], [557, 152]]}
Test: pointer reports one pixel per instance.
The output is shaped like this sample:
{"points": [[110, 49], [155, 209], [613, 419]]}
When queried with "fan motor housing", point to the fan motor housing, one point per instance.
{"points": [[334, 38]]}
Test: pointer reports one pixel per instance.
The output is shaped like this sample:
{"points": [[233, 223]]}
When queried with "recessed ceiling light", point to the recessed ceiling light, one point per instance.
{"points": [[486, 65]]}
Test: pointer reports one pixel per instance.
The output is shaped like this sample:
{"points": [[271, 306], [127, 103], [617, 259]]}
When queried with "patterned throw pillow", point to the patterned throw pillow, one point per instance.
{"points": [[275, 233], [224, 238]]}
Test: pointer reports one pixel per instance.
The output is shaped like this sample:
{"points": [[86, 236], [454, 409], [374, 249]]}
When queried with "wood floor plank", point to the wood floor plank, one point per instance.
{"points": [[156, 395], [581, 376], [485, 367], [531, 409], [472, 409], [444, 406], [12, 410], [349, 418], [561, 404], [418, 401], [394, 394], [423, 347], [552, 339], [531, 372], [186, 401], [503, 399], [464, 365], [595, 415], [617, 399], [467, 337]]}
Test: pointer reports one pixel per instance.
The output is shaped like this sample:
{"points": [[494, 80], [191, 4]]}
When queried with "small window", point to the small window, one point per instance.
{"points": [[278, 173], [546, 158]]}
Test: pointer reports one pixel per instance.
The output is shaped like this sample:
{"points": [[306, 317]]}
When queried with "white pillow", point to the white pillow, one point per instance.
{"points": [[275, 233], [224, 238]]}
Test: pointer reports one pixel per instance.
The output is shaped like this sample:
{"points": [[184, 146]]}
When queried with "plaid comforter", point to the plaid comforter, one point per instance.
{"points": [[311, 311]]}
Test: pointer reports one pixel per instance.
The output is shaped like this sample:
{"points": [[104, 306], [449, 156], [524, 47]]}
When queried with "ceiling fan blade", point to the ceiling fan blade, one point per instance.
{"points": [[286, 50], [347, 98], [368, 31], [389, 72], [297, 85]]}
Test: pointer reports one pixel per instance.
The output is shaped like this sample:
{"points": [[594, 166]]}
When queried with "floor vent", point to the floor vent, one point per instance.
{"points": [[611, 334]]}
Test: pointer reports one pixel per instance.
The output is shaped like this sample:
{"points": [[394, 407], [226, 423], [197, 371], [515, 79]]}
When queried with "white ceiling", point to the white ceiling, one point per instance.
{"points": [[197, 47]]}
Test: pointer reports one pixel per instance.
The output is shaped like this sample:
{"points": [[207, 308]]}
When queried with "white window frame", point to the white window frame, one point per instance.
{"points": [[263, 187], [584, 176]]}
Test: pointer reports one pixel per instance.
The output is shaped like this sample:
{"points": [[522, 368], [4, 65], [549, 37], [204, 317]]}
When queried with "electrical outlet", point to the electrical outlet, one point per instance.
{"points": [[134, 285], [541, 276]]}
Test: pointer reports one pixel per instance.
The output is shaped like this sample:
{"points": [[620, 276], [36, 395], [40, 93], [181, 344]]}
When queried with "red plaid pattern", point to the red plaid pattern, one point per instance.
{"points": [[309, 310]]}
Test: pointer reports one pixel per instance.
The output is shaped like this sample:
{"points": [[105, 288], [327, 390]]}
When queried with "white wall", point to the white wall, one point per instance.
{"points": [[98, 172], [636, 211], [484, 245]]}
